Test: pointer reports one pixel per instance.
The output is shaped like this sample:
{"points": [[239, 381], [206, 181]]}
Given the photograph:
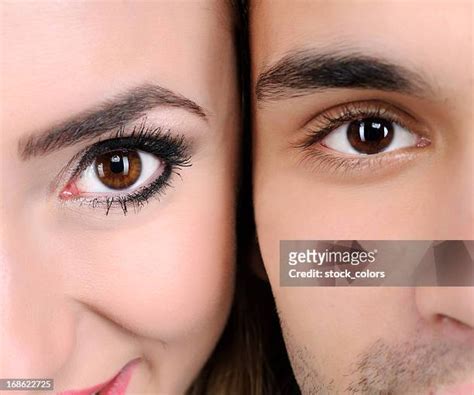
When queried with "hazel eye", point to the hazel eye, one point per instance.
{"points": [[369, 136], [119, 170]]}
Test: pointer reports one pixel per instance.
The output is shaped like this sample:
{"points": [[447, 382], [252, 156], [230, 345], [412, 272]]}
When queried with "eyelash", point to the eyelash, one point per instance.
{"points": [[172, 150], [331, 119]]}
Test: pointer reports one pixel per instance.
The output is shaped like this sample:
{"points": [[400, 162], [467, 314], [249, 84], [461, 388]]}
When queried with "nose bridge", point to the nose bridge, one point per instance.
{"points": [[460, 187], [36, 324], [470, 199], [465, 196], [454, 209], [36, 320], [450, 186], [455, 303]]}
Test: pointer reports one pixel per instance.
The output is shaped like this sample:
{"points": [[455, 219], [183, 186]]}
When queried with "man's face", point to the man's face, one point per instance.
{"points": [[363, 130]]}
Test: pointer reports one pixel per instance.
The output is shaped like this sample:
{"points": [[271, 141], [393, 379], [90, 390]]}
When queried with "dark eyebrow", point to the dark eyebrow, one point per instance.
{"points": [[303, 72], [107, 116]]}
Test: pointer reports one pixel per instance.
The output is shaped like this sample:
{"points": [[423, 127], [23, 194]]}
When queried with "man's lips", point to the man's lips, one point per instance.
{"points": [[466, 389], [117, 385]]}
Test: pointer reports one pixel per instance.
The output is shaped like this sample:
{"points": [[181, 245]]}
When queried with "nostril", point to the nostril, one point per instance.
{"points": [[454, 328], [449, 309]]}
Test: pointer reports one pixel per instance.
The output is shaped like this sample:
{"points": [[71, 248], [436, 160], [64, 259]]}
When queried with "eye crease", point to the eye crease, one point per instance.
{"points": [[127, 169]]}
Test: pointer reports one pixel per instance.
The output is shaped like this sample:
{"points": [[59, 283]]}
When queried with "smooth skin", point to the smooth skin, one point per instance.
{"points": [[371, 340], [82, 293]]}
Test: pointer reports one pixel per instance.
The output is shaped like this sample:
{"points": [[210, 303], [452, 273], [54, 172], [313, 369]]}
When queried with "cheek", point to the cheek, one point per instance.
{"points": [[336, 325], [405, 206], [165, 278]]}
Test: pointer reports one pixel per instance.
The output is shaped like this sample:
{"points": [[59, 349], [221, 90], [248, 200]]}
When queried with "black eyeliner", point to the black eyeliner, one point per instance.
{"points": [[172, 150]]}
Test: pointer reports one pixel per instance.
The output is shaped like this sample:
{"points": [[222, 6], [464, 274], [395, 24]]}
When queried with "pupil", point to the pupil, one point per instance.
{"points": [[118, 169], [370, 135], [116, 164]]}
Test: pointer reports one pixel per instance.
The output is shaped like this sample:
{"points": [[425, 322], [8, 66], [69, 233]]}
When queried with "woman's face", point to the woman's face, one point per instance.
{"points": [[119, 127], [363, 129]]}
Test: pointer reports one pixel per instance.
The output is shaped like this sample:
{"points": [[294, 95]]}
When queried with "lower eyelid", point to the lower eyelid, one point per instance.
{"points": [[325, 161], [354, 168], [135, 199]]}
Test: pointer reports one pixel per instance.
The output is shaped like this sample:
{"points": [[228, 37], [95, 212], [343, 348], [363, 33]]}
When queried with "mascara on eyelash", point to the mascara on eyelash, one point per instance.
{"points": [[155, 140], [173, 151]]}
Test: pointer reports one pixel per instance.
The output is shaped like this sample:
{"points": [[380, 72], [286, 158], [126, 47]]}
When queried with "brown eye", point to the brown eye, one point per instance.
{"points": [[118, 169], [370, 135]]}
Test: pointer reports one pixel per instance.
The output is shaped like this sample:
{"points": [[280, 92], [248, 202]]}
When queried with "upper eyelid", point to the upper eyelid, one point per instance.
{"points": [[69, 170], [352, 106], [126, 108], [392, 112], [72, 168], [124, 134]]}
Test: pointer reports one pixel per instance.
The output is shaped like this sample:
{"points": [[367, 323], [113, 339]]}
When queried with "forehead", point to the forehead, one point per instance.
{"points": [[69, 54], [428, 35]]}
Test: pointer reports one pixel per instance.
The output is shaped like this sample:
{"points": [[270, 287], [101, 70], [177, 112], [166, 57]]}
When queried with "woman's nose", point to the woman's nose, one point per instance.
{"points": [[36, 320]]}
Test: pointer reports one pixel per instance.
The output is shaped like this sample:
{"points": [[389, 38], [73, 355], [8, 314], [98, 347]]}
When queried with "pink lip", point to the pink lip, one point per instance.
{"points": [[117, 385]]}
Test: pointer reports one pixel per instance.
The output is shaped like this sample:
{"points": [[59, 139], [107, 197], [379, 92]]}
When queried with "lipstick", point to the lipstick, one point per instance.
{"points": [[117, 385]]}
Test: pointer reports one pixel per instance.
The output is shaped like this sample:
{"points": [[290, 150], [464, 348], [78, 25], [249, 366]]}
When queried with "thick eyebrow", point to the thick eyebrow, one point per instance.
{"points": [[107, 116], [304, 72]]}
